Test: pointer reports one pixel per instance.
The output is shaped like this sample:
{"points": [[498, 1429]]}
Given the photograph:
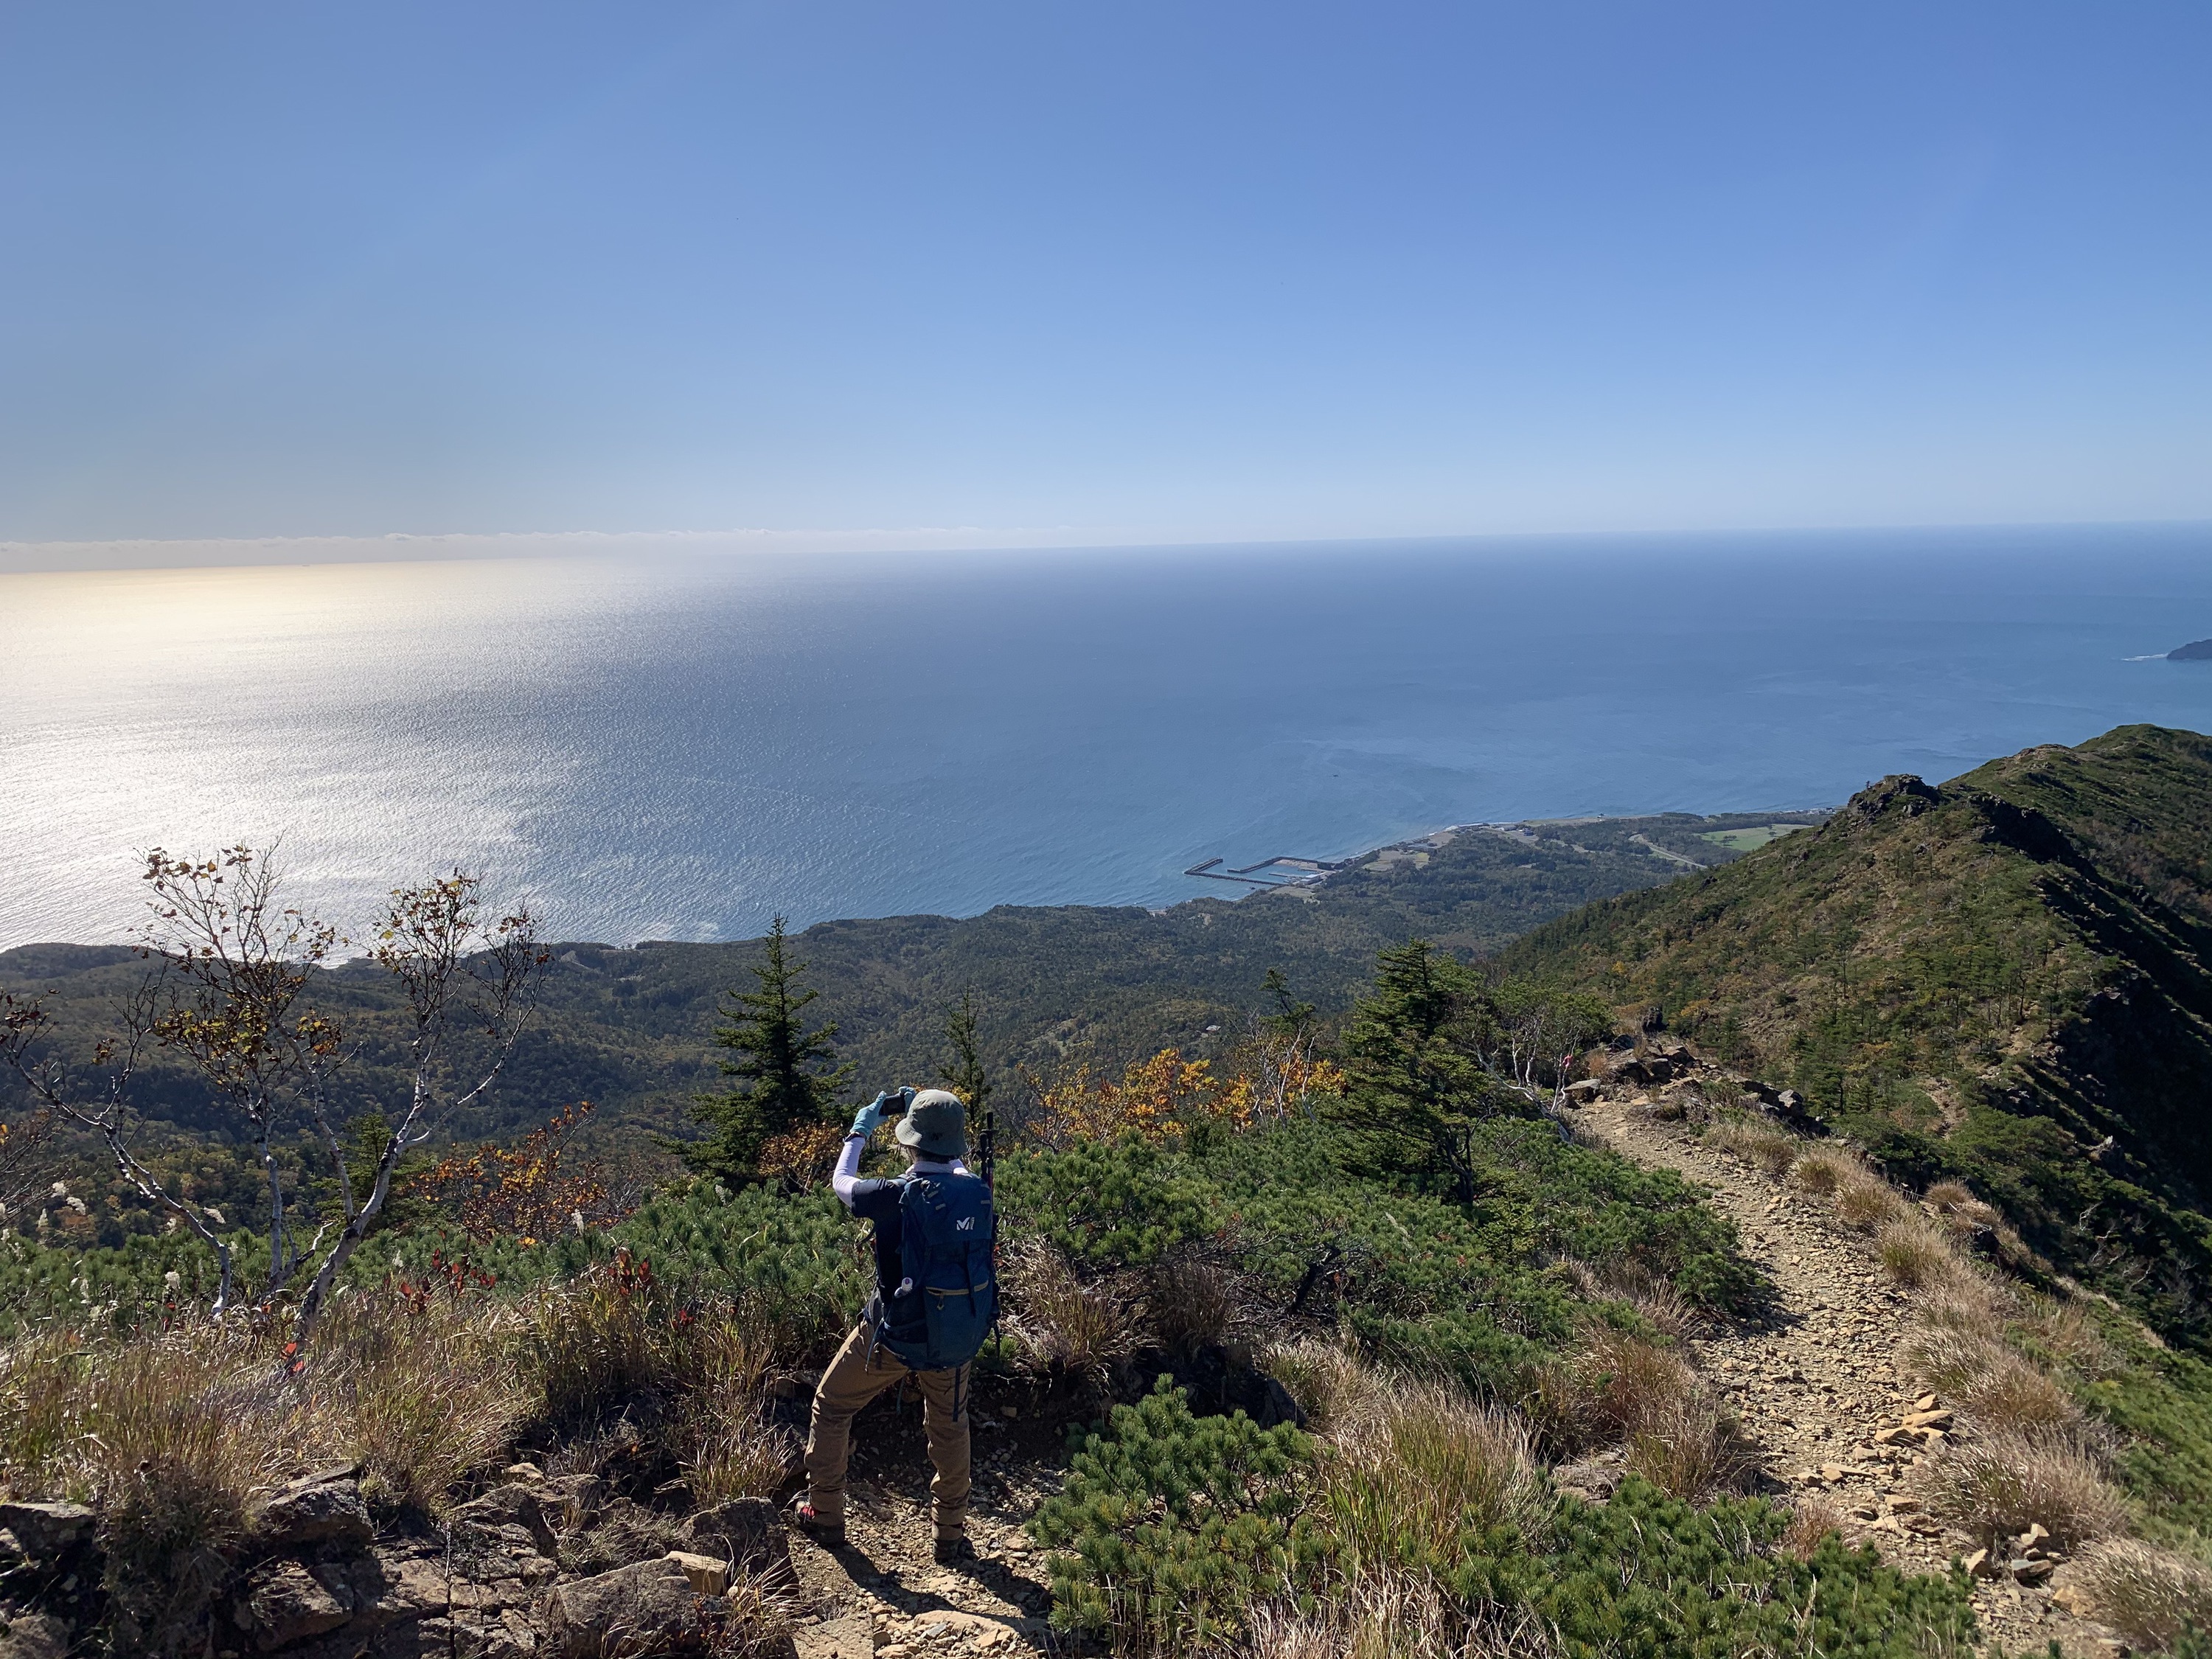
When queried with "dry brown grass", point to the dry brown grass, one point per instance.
{"points": [[1391, 1616], [1769, 1151], [424, 1398], [2148, 1595], [1656, 1301], [1332, 1387], [1823, 1168], [754, 1620], [735, 1449], [2012, 1394], [1403, 1483], [1917, 1256], [2004, 1481], [1813, 1519], [1969, 1303], [1692, 1449], [1192, 1301], [1952, 1361], [172, 1435], [1625, 1385], [1869, 1203], [2069, 1334], [1068, 1325]]}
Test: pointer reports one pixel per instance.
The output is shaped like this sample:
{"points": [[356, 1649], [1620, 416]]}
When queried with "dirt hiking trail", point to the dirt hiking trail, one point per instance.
{"points": [[1817, 1383]]}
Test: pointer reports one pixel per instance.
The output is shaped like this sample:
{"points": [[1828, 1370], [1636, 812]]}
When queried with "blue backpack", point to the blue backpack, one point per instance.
{"points": [[944, 1307]]}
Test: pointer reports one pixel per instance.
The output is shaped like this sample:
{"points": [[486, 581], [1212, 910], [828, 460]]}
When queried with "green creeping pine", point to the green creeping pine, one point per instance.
{"points": [[1176, 1523], [1172, 1527]]}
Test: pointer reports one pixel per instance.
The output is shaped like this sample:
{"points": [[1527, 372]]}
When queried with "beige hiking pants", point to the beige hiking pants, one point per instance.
{"points": [[854, 1377]]}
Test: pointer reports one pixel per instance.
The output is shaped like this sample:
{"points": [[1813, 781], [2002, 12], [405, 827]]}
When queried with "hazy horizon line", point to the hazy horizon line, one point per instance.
{"points": [[212, 552]]}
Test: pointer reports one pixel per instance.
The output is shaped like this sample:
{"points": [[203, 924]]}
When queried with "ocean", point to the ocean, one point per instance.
{"points": [[683, 749]]}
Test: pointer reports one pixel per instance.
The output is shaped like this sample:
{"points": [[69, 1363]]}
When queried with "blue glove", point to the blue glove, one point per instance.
{"points": [[864, 1122]]}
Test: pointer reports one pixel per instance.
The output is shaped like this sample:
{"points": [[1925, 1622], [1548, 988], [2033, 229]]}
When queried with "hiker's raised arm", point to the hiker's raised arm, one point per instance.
{"points": [[856, 1142]]}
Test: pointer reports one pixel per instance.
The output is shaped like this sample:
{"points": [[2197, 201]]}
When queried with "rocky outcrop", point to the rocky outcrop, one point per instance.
{"points": [[650, 1608], [322, 1509], [315, 1580], [45, 1532]]}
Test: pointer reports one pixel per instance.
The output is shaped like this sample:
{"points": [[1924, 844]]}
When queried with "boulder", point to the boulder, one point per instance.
{"points": [[709, 1574], [643, 1608], [45, 1530], [1584, 1092], [285, 1603], [325, 1509], [528, 1515], [746, 1532], [34, 1636]]}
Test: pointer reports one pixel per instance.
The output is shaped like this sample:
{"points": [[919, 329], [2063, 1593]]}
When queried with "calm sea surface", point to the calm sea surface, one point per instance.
{"points": [[681, 750]]}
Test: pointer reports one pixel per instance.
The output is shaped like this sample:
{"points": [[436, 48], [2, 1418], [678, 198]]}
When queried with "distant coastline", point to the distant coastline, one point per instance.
{"points": [[1735, 833]]}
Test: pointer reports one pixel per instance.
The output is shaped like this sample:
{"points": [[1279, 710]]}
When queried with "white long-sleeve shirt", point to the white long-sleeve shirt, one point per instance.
{"points": [[847, 1172]]}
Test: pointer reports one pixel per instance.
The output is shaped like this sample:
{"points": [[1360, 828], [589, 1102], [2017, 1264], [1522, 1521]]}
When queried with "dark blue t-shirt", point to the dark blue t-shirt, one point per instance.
{"points": [[878, 1201]]}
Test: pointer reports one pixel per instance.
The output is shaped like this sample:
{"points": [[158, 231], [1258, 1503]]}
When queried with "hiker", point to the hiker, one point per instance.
{"points": [[935, 1301]]}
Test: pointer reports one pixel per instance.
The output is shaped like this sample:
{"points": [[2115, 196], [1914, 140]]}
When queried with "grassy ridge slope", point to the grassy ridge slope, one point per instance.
{"points": [[2005, 978]]}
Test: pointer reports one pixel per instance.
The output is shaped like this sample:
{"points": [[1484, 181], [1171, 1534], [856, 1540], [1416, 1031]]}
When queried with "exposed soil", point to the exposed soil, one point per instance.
{"points": [[883, 1595]]}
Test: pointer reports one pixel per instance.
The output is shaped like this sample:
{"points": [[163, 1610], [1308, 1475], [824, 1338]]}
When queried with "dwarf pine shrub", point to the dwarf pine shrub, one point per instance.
{"points": [[1173, 1525], [1104, 1207], [1175, 1531]]}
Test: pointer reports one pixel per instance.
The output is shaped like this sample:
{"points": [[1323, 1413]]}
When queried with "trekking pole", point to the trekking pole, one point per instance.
{"points": [[987, 1144]]}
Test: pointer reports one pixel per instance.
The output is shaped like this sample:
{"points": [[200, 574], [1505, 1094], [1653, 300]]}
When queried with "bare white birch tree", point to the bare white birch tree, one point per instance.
{"points": [[459, 972]]}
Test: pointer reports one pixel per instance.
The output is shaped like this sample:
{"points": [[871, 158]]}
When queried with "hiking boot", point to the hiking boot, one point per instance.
{"points": [[830, 1534], [953, 1552]]}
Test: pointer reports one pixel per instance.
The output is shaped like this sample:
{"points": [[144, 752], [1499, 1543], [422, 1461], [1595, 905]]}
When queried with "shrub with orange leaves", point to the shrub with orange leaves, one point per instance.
{"points": [[801, 1158], [1161, 1099], [528, 1192]]}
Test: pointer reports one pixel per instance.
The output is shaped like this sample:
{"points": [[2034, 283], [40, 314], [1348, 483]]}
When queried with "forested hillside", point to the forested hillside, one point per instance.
{"points": [[630, 1028], [2004, 979]]}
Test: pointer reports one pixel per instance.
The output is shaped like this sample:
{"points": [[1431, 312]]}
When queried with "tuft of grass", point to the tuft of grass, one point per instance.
{"points": [[170, 1435], [1823, 1170], [1625, 1385], [1946, 1197], [1654, 1300], [2150, 1595], [1407, 1485], [1869, 1203], [754, 1620], [1814, 1519], [1692, 1449], [1329, 1382], [737, 1451], [1392, 1615], [1970, 1303], [2068, 1334], [2013, 1395], [1952, 1361], [1769, 1150], [1917, 1256], [1070, 1325], [422, 1398], [1192, 1301], [2002, 1482]]}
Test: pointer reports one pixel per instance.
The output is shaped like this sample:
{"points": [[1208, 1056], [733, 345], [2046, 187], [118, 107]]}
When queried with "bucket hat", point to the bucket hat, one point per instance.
{"points": [[934, 1125]]}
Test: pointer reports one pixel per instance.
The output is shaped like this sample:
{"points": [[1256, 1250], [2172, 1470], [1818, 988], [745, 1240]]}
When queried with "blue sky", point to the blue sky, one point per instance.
{"points": [[1207, 269]]}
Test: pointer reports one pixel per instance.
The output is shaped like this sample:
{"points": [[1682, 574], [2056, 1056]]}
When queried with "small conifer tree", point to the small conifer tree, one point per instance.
{"points": [[963, 1071], [1415, 1083], [787, 1076]]}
